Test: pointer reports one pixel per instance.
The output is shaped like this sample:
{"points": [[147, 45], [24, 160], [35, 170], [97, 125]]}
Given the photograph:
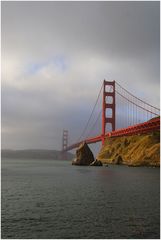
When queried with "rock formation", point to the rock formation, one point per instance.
{"points": [[96, 163], [117, 160], [84, 155], [136, 150]]}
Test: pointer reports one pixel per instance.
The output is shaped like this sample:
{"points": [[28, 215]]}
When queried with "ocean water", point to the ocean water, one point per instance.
{"points": [[53, 199]]}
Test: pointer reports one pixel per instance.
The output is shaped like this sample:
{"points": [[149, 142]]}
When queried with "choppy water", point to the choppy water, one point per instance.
{"points": [[53, 199]]}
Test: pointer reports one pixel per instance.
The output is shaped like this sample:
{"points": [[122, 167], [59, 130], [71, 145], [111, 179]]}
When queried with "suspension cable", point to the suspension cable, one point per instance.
{"points": [[85, 128], [137, 97], [136, 104], [94, 123], [97, 118]]}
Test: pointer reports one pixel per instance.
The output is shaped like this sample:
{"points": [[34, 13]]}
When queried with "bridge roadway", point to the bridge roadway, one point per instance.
{"points": [[141, 128]]}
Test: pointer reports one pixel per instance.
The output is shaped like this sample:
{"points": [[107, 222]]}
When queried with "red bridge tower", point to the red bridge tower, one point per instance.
{"points": [[108, 91], [64, 144], [65, 140]]}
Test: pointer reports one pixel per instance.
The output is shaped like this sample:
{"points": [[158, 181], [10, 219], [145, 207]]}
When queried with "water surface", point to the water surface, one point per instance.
{"points": [[53, 199]]}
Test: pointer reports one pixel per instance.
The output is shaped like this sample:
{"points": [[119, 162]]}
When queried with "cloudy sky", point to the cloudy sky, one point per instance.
{"points": [[55, 56]]}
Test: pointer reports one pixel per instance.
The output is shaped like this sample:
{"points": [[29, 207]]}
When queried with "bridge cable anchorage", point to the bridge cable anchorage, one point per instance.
{"points": [[85, 128], [137, 98]]}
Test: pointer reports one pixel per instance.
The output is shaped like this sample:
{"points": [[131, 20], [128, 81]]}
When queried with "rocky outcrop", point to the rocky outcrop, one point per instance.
{"points": [[96, 163], [117, 160], [84, 155], [136, 150]]}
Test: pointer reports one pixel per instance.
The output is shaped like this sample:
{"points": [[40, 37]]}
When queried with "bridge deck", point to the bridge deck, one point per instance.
{"points": [[141, 128]]}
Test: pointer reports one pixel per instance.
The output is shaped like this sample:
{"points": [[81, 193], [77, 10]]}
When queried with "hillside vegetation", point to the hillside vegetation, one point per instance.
{"points": [[137, 150]]}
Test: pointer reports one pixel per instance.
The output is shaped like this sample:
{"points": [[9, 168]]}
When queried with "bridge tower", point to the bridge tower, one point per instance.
{"points": [[64, 144], [108, 91], [65, 140]]}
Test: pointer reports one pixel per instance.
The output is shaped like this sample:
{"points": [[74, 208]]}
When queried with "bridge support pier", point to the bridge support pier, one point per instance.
{"points": [[108, 91]]}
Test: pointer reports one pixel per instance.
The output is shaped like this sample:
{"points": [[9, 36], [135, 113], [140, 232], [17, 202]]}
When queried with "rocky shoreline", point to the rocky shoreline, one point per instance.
{"points": [[137, 150], [133, 151]]}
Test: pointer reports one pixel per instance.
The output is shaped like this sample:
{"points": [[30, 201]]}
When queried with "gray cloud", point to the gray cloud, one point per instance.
{"points": [[55, 56]]}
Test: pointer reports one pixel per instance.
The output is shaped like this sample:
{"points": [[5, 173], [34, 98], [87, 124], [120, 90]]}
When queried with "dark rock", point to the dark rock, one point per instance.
{"points": [[84, 155], [96, 163], [74, 161], [118, 160]]}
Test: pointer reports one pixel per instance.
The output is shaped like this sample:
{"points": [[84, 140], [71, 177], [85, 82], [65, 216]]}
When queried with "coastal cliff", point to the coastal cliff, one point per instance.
{"points": [[136, 150]]}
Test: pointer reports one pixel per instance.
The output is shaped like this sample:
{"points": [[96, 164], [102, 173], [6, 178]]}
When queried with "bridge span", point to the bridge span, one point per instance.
{"points": [[142, 128], [110, 103]]}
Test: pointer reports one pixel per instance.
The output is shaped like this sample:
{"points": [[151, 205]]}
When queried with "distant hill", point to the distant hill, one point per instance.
{"points": [[35, 154]]}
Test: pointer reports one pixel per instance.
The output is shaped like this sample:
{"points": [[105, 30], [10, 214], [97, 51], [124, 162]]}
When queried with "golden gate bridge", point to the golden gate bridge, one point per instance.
{"points": [[121, 114]]}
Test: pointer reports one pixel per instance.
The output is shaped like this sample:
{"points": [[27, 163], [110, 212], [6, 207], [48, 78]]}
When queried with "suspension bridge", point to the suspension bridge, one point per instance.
{"points": [[121, 114]]}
